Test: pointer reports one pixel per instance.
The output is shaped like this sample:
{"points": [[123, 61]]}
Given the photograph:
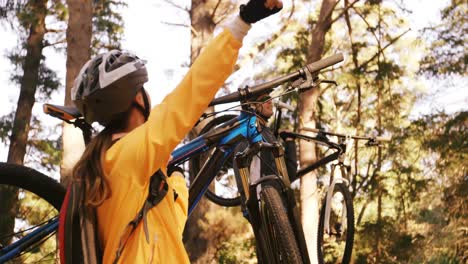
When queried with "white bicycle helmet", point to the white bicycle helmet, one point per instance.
{"points": [[107, 84]]}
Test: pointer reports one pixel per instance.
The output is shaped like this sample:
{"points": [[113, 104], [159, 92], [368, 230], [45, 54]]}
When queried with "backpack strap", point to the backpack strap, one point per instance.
{"points": [[77, 229], [92, 253], [157, 191]]}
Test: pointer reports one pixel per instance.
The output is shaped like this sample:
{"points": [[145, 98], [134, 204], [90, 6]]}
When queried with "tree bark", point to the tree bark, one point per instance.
{"points": [[79, 33], [309, 195], [21, 123]]}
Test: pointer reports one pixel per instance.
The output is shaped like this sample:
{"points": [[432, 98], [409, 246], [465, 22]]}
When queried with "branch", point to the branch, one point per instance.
{"points": [[350, 32], [382, 50], [364, 179], [331, 10], [174, 24], [51, 30], [223, 15], [215, 9], [55, 43], [367, 23], [176, 5], [344, 11]]}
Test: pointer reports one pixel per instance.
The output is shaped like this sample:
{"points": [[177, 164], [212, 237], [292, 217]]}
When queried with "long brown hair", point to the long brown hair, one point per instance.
{"points": [[89, 169]]}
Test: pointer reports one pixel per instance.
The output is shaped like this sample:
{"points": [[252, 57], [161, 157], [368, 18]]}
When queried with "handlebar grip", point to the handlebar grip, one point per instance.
{"points": [[383, 139], [329, 61]]}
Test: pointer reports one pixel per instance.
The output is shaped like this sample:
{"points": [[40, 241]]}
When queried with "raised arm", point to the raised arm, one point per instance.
{"points": [[150, 145]]}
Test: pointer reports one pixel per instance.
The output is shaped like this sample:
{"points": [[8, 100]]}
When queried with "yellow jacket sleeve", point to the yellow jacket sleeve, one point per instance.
{"points": [[171, 120]]}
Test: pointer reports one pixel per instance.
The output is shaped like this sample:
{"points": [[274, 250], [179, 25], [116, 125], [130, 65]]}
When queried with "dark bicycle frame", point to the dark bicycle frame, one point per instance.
{"points": [[223, 139]]}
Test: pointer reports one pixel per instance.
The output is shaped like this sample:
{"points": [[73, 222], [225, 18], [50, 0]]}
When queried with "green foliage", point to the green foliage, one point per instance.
{"points": [[231, 235], [28, 216], [237, 249], [447, 52], [107, 25], [45, 146], [398, 245], [444, 259], [48, 81], [6, 125]]}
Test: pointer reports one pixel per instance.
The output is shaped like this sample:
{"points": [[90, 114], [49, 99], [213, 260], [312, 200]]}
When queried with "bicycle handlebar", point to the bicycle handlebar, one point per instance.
{"points": [[315, 67], [249, 92], [315, 130]]}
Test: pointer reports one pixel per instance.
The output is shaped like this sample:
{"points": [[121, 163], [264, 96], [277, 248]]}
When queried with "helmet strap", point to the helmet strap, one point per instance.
{"points": [[145, 111]]}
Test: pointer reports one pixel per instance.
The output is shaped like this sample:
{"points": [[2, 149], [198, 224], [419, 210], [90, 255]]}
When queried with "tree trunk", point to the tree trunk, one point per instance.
{"points": [[78, 52], [21, 123], [309, 194]]}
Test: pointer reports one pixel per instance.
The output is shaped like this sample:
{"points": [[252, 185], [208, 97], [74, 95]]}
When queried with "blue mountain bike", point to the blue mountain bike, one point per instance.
{"points": [[272, 213]]}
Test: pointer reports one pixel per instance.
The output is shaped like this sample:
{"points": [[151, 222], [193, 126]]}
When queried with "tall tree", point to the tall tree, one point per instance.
{"points": [[34, 46], [19, 133], [309, 195], [78, 52], [93, 27]]}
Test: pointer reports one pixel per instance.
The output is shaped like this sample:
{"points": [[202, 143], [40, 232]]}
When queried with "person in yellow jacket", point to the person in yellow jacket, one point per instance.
{"points": [[136, 141]]}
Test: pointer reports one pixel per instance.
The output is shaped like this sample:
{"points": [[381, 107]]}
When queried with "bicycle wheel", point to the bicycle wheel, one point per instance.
{"points": [[336, 246], [39, 201], [281, 242], [223, 190]]}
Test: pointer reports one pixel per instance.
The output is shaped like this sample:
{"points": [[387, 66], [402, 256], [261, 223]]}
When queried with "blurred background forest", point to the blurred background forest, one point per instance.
{"points": [[410, 195]]}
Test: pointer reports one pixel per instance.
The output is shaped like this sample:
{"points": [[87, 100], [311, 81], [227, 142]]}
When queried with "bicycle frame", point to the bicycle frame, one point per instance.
{"points": [[224, 139], [340, 149]]}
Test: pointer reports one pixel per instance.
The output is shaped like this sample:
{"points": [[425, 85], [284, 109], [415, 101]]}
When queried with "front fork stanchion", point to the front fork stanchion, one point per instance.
{"points": [[250, 203], [244, 174], [293, 210], [331, 187], [278, 154]]}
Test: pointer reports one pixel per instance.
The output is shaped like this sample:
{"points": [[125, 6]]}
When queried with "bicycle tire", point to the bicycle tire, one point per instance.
{"points": [[278, 228], [322, 246], [17, 177], [198, 161]]}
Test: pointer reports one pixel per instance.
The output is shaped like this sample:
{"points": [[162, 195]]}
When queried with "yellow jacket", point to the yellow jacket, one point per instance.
{"points": [[131, 161]]}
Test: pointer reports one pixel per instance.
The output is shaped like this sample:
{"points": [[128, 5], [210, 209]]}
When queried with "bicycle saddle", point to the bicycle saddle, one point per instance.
{"points": [[64, 113]]}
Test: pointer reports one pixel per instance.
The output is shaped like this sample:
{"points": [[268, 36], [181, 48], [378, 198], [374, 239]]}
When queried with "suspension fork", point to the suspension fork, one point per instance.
{"points": [[250, 203], [293, 210], [343, 179], [249, 191]]}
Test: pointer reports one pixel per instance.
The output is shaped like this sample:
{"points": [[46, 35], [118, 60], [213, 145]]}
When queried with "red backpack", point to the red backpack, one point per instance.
{"points": [[78, 229]]}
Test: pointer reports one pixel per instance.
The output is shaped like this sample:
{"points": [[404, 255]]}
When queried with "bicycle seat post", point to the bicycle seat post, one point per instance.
{"points": [[85, 129]]}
